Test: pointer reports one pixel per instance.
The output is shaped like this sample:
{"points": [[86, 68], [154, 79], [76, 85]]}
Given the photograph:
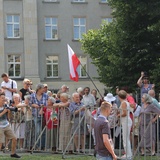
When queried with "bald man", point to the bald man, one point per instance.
{"points": [[77, 109], [152, 94]]}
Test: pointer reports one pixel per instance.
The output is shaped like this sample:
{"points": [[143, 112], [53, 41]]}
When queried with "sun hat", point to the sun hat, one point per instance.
{"points": [[109, 97]]}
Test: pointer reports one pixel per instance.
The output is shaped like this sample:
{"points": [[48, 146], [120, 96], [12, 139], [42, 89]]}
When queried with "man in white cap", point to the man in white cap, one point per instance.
{"points": [[64, 89], [45, 88]]}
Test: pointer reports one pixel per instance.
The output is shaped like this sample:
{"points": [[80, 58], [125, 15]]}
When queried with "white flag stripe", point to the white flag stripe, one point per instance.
{"points": [[71, 68]]}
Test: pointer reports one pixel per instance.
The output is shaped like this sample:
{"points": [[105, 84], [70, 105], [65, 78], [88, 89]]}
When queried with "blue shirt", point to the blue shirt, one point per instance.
{"points": [[34, 100], [101, 116], [76, 106]]}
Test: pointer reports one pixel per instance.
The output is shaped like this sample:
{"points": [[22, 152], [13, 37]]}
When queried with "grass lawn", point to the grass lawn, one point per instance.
{"points": [[44, 156], [41, 156], [147, 158]]}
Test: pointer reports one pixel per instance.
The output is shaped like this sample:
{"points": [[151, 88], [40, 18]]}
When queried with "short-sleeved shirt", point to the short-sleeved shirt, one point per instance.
{"points": [[8, 84], [155, 102], [74, 107], [101, 126], [145, 90], [24, 92], [3, 119]]}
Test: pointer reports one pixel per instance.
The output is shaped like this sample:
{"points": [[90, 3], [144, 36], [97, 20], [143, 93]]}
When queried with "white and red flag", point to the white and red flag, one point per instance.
{"points": [[73, 64]]}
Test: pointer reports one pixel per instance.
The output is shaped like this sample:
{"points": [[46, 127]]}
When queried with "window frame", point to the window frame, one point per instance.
{"points": [[78, 1], [14, 64], [52, 64], [80, 67], [13, 26], [79, 28], [50, 0], [106, 1], [51, 25]]}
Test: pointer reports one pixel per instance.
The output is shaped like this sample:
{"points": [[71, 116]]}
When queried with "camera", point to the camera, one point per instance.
{"points": [[14, 109], [11, 103]]}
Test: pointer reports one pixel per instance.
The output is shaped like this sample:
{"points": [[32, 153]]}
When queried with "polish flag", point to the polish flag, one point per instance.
{"points": [[73, 64]]}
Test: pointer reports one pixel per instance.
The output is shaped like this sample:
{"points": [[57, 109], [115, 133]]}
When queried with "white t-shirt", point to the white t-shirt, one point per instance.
{"points": [[8, 94]]}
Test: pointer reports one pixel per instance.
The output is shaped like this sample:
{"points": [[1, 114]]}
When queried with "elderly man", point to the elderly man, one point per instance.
{"points": [[152, 94], [77, 109]]}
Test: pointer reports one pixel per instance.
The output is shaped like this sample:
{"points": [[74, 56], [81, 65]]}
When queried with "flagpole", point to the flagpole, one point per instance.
{"points": [[91, 80], [74, 62]]}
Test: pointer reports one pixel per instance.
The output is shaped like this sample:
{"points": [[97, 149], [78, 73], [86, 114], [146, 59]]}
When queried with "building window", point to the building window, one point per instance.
{"points": [[107, 20], [51, 28], [13, 26], [14, 66], [78, 0], [79, 27], [50, 0], [83, 67], [52, 66], [104, 1]]}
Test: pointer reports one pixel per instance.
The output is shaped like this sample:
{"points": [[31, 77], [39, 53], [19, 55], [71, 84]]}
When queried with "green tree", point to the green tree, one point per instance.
{"points": [[128, 45]]}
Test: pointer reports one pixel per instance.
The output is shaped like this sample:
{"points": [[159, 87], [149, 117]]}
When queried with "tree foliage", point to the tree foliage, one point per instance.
{"points": [[128, 45]]}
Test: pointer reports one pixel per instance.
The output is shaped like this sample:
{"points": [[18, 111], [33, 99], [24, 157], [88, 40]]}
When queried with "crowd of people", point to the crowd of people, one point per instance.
{"points": [[41, 120], [137, 121]]}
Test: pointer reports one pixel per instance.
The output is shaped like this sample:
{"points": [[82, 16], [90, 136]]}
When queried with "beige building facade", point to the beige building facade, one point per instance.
{"points": [[34, 35]]}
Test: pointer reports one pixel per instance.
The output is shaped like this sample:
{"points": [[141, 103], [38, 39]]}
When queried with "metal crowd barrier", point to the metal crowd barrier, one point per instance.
{"points": [[61, 131]]}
